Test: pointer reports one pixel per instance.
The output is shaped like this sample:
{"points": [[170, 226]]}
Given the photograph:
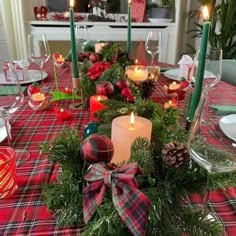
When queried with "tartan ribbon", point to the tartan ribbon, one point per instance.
{"points": [[131, 204]]}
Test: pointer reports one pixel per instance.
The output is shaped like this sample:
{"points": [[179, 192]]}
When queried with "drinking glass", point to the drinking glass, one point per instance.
{"points": [[39, 54], [81, 37], [153, 42], [207, 144], [10, 102]]}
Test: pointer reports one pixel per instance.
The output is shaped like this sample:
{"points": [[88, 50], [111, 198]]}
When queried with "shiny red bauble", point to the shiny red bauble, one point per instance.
{"points": [[105, 88], [97, 148], [121, 84]]}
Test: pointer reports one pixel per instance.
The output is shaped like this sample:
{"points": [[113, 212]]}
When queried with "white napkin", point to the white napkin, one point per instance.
{"points": [[185, 65], [22, 63]]}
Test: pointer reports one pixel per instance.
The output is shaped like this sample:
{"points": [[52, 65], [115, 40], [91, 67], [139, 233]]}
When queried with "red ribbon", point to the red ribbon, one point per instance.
{"points": [[131, 204]]}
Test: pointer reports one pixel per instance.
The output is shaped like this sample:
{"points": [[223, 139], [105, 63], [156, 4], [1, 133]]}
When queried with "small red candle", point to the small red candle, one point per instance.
{"points": [[67, 90], [96, 105], [173, 87], [170, 103], [62, 114]]}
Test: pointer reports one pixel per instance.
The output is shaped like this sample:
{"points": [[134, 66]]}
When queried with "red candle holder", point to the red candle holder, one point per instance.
{"points": [[171, 103], [38, 102], [96, 105], [62, 114], [7, 172], [174, 90], [67, 91]]}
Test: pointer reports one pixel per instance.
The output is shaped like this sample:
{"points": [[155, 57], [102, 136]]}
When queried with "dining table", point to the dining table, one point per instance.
{"points": [[25, 212]]}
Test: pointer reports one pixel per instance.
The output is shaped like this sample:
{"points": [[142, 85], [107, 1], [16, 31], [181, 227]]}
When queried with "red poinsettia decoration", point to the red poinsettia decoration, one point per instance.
{"points": [[97, 69]]}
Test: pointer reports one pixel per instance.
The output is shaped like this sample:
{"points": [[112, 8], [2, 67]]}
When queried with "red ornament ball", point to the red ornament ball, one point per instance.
{"points": [[121, 84], [97, 148], [105, 88], [126, 92]]}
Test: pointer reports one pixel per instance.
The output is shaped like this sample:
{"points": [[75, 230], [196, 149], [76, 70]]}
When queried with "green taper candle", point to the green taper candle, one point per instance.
{"points": [[129, 30], [75, 70], [201, 67]]}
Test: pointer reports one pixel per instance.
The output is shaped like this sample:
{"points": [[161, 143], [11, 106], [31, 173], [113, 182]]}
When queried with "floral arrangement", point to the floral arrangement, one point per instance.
{"points": [[96, 69], [146, 196], [109, 66]]}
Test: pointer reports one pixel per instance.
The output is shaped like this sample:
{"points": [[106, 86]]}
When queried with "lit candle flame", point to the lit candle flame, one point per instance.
{"points": [[136, 61], [174, 83], [66, 89], [137, 71], [132, 119], [205, 13], [71, 3], [129, 2], [61, 110]]}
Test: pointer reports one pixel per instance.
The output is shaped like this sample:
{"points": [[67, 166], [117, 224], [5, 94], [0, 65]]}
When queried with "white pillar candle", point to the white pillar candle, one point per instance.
{"points": [[124, 132]]}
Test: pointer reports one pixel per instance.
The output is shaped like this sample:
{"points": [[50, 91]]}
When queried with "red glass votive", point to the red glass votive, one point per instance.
{"points": [[96, 105], [67, 91], [62, 114], [7, 172]]}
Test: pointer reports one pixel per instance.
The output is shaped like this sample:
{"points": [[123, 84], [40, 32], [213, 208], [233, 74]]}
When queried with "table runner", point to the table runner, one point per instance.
{"points": [[25, 213]]}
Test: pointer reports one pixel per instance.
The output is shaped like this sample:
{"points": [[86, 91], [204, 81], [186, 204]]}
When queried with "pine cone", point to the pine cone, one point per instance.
{"points": [[146, 88], [175, 154]]}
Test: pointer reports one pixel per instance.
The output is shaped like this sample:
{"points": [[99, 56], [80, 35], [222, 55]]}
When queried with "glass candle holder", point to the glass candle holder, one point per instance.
{"points": [[136, 73], [7, 172]]}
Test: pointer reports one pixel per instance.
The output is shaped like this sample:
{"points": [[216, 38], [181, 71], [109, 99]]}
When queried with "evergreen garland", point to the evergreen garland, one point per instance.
{"points": [[165, 186]]}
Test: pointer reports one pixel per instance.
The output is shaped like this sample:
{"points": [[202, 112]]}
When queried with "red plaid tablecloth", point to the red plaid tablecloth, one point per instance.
{"points": [[25, 213]]}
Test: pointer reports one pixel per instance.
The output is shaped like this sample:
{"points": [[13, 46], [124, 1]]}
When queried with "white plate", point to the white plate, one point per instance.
{"points": [[228, 126], [174, 73], [33, 76], [160, 20], [3, 132]]}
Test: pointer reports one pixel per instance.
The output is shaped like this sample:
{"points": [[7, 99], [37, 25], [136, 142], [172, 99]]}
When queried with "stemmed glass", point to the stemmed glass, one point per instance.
{"points": [[153, 43], [10, 102], [81, 37], [39, 54], [207, 145], [214, 156]]}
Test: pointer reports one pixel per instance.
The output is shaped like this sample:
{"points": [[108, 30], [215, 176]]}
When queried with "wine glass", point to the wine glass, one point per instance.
{"points": [[81, 37], [10, 102], [207, 144], [153, 42], [39, 54]]}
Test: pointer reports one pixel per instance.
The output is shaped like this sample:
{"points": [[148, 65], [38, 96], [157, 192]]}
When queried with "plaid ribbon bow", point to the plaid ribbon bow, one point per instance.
{"points": [[132, 205]]}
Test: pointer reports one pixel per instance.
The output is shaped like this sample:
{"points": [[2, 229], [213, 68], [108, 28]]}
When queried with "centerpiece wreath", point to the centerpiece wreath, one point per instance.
{"points": [[164, 174]]}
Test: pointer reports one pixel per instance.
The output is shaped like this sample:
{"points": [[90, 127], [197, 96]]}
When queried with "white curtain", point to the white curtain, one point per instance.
{"points": [[14, 26]]}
